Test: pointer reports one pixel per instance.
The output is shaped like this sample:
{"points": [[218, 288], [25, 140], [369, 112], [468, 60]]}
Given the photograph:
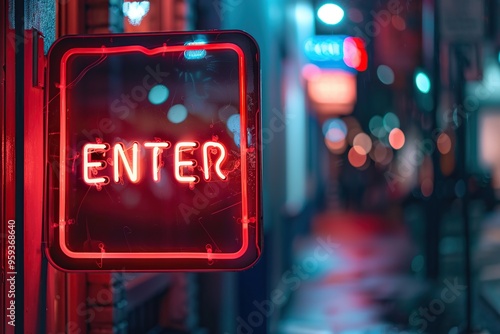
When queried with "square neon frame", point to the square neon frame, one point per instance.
{"points": [[62, 152]]}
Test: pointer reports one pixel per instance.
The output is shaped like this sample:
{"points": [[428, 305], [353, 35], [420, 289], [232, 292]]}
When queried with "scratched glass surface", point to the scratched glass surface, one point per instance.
{"points": [[172, 97]]}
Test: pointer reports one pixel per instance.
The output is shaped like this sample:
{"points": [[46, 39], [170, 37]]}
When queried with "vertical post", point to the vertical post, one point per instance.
{"points": [[431, 50], [8, 151], [19, 162], [3, 126], [32, 162], [461, 64]]}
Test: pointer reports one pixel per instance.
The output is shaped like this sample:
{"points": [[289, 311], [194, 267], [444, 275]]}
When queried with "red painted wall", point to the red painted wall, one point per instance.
{"points": [[33, 182]]}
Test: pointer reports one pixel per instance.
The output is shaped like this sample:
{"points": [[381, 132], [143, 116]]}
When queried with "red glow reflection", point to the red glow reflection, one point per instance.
{"points": [[355, 55]]}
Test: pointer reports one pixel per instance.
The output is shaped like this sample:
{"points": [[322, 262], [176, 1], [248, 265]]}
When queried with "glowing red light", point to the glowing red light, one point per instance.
{"points": [[188, 159], [355, 158], [396, 138], [132, 166], [362, 143], [180, 164], [355, 55], [93, 165], [157, 151], [333, 92], [444, 143], [206, 158], [310, 71]]}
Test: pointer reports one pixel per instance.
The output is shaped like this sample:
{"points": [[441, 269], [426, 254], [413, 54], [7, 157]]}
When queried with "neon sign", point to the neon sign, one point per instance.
{"points": [[132, 166], [337, 52], [165, 181]]}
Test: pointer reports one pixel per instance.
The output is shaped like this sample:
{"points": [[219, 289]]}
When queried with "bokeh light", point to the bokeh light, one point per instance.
{"points": [[337, 146], [335, 131], [376, 126], [396, 138], [177, 113], [381, 154], [444, 143], [355, 15], [362, 143], [310, 71], [398, 22], [335, 89], [385, 74], [351, 122], [335, 135], [423, 82], [334, 123], [135, 11], [158, 94], [356, 159], [355, 55], [390, 121], [233, 123], [330, 13]]}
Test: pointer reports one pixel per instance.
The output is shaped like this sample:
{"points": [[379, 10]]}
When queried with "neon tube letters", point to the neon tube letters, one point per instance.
{"points": [[127, 163]]}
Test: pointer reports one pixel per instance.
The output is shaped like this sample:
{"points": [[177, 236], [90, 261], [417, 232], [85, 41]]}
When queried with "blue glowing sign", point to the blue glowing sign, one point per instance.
{"points": [[325, 48], [337, 52]]}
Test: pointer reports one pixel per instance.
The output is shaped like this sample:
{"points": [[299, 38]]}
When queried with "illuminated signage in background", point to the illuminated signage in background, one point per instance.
{"points": [[330, 75], [337, 52], [147, 165], [135, 11], [330, 92]]}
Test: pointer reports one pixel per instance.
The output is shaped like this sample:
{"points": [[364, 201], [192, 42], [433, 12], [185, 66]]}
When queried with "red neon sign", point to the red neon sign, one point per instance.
{"points": [[154, 186], [132, 166]]}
